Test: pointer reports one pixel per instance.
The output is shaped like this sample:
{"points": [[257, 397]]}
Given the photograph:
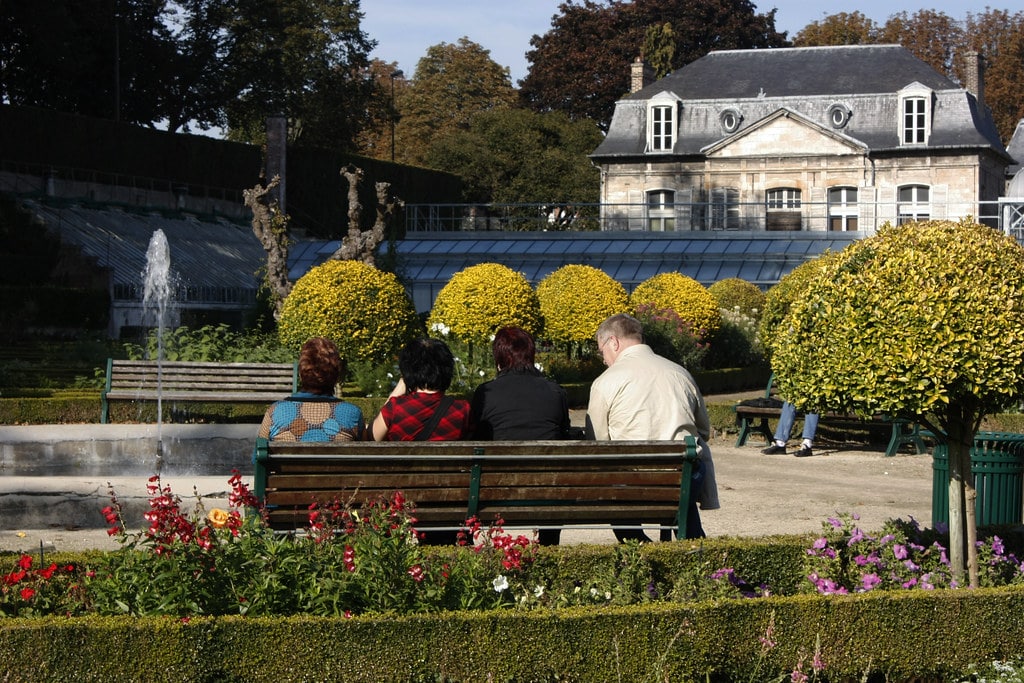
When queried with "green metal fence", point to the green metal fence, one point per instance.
{"points": [[997, 463]]}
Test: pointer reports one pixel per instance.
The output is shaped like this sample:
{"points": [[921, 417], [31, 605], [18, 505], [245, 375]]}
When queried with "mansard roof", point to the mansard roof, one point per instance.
{"points": [[865, 79]]}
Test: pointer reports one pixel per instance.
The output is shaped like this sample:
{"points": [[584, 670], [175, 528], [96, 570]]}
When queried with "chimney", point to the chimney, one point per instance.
{"points": [[974, 76], [641, 74], [277, 144]]}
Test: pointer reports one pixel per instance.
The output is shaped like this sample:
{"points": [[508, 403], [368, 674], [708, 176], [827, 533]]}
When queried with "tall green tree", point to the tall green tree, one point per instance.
{"points": [[999, 36], [925, 322], [581, 65], [98, 58], [933, 37], [520, 156], [301, 58], [453, 83]]}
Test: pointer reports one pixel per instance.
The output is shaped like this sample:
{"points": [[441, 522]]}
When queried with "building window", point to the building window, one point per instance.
{"points": [[783, 209], [662, 128], [842, 208], [915, 120], [913, 204], [724, 209], [838, 115], [730, 120], [661, 210]]}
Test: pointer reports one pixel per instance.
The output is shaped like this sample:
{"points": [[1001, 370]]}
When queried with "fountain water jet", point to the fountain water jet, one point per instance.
{"points": [[156, 297]]}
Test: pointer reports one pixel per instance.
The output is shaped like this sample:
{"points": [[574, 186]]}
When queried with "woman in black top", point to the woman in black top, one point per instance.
{"points": [[520, 403]]}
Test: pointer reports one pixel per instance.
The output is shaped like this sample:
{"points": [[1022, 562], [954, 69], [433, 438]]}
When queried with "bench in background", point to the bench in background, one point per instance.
{"points": [[753, 415], [196, 382], [540, 484]]}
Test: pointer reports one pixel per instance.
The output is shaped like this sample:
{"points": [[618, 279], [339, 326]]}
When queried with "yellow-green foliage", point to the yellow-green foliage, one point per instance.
{"points": [[921, 319], [735, 293], [690, 300], [366, 312], [575, 299], [483, 298], [782, 295]]}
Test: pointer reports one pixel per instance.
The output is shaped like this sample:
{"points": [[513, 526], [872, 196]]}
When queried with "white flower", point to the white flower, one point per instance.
{"points": [[593, 592], [481, 372], [390, 376], [500, 583], [539, 367], [538, 591]]}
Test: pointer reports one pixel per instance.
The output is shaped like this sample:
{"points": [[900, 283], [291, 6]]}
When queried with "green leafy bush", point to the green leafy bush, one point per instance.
{"points": [[736, 294], [211, 343], [781, 296], [479, 300], [575, 299], [736, 344], [365, 311], [684, 295]]}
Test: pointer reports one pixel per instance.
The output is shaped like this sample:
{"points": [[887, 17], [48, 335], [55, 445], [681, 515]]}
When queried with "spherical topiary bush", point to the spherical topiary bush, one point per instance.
{"points": [[736, 294], [366, 312], [575, 299], [482, 298], [781, 296], [690, 300]]}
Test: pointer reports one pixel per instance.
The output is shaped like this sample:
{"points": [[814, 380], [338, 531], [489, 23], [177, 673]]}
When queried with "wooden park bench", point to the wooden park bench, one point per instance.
{"points": [[196, 382], [752, 416], [539, 484]]}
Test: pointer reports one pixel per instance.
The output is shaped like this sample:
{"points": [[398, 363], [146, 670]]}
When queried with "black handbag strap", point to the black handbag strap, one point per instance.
{"points": [[431, 425]]}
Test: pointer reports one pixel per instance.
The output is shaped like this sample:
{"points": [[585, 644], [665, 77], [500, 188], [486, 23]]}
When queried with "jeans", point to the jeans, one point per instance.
{"points": [[788, 417]]}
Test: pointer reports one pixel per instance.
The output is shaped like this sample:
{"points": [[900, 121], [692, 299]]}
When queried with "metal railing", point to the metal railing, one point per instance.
{"points": [[1004, 215]]}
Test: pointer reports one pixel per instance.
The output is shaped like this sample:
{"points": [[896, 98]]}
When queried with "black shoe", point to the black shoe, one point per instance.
{"points": [[774, 449], [804, 452]]}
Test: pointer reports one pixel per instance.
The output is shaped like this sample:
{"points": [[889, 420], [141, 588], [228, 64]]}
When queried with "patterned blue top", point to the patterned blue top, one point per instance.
{"points": [[312, 417]]}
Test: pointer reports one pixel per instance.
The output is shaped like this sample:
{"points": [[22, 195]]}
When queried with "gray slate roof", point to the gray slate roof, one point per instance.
{"points": [[864, 78]]}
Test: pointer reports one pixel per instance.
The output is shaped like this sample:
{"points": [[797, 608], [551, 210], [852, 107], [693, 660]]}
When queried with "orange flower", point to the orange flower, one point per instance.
{"points": [[218, 518]]}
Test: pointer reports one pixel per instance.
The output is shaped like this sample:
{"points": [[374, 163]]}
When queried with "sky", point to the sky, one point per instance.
{"points": [[404, 29]]}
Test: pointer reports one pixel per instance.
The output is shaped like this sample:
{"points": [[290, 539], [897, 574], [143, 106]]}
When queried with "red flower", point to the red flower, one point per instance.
{"points": [[27, 593], [25, 561]]}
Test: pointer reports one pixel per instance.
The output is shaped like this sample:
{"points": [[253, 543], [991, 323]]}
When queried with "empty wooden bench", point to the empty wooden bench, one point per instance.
{"points": [[540, 484], [196, 382], [753, 415]]}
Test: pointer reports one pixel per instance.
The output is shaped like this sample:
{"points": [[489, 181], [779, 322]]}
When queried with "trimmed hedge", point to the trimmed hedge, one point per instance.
{"points": [[877, 636]]}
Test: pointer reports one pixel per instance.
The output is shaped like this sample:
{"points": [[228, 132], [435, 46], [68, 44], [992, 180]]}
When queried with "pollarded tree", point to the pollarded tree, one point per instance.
{"points": [[690, 300], [575, 299], [925, 322], [365, 311], [782, 294], [479, 300]]}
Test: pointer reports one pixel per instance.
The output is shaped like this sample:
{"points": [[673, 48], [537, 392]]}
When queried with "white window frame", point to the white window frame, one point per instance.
{"points": [[662, 123], [913, 203], [661, 210], [842, 207], [782, 199], [915, 115]]}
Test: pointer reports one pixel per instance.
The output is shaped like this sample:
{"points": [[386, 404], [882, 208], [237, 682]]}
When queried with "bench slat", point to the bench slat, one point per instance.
{"points": [[547, 483]]}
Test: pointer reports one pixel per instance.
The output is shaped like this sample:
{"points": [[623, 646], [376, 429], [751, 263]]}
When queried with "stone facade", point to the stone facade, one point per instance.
{"points": [[827, 149]]}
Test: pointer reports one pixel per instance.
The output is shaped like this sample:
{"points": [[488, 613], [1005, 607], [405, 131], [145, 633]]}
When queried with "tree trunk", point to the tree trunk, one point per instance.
{"points": [[358, 245], [271, 228], [963, 523]]}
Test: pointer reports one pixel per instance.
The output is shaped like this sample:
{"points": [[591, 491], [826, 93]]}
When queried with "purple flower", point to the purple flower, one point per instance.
{"points": [[997, 545], [909, 564], [900, 551], [869, 582], [910, 583], [820, 543], [860, 560], [836, 524]]}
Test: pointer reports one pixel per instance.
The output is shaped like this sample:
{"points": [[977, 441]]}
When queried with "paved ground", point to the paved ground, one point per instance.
{"points": [[760, 495]]}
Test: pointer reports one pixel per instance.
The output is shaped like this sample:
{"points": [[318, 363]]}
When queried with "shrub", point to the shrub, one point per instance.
{"points": [[672, 337], [736, 294], [366, 312], [684, 295], [482, 298], [736, 344], [575, 299], [781, 296], [212, 343]]}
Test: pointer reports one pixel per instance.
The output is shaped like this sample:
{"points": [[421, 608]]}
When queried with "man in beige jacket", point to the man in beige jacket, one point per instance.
{"points": [[645, 397]]}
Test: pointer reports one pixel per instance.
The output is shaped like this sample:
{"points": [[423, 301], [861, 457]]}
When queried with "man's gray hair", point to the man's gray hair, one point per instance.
{"points": [[623, 326]]}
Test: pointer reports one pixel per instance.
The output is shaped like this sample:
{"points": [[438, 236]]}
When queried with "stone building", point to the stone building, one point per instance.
{"points": [[815, 139]]}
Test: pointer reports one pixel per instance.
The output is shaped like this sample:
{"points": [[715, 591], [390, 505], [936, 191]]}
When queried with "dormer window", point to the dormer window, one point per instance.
{"points": [[730, 120], [915, 115], [662, 122], [838, 115]]}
